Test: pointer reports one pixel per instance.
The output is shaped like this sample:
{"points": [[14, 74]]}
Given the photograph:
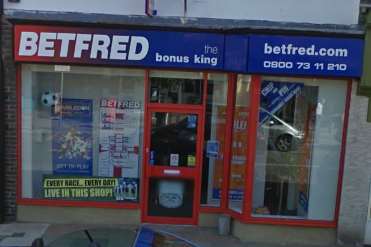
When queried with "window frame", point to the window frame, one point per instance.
{"points": [[246, 215], [20, 200]]}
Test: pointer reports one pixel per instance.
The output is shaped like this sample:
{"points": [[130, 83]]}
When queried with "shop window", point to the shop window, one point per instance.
{"points": [[173, 139], [82, 133], [240, 137], [298, 146], [214, 140], [176, 87]]}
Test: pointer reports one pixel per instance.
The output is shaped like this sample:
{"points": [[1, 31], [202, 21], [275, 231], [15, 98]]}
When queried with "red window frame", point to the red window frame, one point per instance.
{"points": [[223, 206], [46, 202], [192, 174], [245, 216]]}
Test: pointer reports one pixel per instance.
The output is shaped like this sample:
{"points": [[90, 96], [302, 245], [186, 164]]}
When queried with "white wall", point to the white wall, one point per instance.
{"points": [[117, 7], [302, 11], [311, 11]]}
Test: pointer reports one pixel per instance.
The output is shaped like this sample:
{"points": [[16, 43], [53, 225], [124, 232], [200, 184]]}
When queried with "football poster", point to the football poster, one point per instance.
{"points": [[72, 152]]}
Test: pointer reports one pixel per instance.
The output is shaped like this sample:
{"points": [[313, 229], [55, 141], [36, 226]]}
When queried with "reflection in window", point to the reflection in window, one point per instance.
{"points": [[176, 87], [214, 139], [298, 148], [239, 144], [81, 133], [173, 139]]}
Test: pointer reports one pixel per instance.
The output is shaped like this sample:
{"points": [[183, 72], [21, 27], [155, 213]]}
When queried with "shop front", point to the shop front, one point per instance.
{"points": [[175, 125]]}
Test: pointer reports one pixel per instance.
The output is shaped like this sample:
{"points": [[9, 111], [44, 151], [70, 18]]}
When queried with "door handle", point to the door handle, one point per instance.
{"points": [[171, 172]]}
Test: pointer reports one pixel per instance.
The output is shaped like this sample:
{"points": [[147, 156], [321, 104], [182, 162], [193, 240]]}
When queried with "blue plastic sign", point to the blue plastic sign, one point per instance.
{"points": [[262, 54], [236, 53], [305, 55], [119, 47], [72, 152]]}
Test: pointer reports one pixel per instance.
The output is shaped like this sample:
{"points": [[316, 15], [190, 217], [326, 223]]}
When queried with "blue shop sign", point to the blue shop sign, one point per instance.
{"points": [[305, 56], [119, 47], [236, 53], [263, 54]]}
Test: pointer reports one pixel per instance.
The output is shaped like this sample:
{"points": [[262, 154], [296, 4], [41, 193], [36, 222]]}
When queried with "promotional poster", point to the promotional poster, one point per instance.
{"points": [[238, 155], [72, 138], [90, 189], [119, 136], [274, 96]]}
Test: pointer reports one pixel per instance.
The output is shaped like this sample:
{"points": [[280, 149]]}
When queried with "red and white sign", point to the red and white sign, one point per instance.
{"points": [[71, 44]]}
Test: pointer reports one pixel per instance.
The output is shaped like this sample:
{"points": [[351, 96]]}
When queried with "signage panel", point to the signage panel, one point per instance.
{"points": [[119, 47], [305, 55], [236, 53], [253, 54]]}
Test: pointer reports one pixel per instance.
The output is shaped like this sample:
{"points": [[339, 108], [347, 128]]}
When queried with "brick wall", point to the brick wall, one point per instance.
{"points": [[357, 173], [9, 100]]}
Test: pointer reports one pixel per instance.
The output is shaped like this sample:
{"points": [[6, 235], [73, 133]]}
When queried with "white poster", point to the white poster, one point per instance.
{"points": [[174, 159], [119, 137]]}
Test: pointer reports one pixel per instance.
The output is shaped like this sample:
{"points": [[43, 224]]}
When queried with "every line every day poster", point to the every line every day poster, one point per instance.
{"points": [[72, 138], [119, 137]]}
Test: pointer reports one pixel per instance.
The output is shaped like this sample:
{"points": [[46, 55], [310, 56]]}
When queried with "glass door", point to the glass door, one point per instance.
{"points": [[173, 147]]}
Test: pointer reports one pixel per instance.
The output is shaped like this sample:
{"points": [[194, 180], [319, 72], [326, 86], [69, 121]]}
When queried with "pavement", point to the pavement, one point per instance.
{"points": [[22, 234]]}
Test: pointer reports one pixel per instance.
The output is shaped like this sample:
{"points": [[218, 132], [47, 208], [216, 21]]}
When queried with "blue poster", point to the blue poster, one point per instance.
{"points": [[233, 194], [127, 189], [212, 149], [191, 121], [72, 138], [274, 95]]}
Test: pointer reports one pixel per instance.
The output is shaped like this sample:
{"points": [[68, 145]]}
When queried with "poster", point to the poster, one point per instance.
{"points": [[119, 136], [212, 149], [238, 151], [274, 96], [72, 138], [90, 189], [174, 159]]}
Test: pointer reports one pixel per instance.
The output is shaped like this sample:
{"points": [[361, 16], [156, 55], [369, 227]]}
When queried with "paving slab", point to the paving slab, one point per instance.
{"points": [[55, 231], [20, 234]]}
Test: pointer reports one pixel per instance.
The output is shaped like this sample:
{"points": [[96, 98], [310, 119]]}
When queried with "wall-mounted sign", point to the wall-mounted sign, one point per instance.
{"points": [[119, 47], [264, 54], [236, 53], [305, 55]]}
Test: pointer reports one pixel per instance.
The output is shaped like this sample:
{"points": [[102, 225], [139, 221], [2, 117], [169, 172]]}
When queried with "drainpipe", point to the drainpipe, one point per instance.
{"points": [[2, 132], [365, 84]]}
